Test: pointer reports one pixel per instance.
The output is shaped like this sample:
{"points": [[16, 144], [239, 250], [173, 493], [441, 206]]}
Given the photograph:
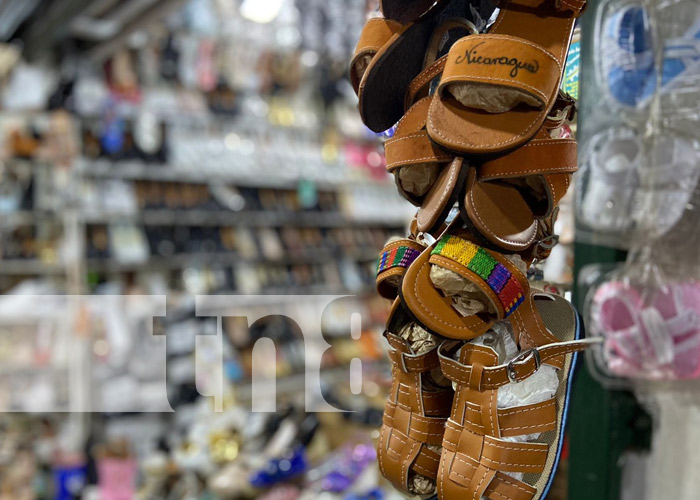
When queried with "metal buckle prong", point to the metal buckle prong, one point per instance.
{"points": [[534, 353]]}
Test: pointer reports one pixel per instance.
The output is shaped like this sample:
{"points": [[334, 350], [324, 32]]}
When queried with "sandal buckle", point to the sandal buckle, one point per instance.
{"points": [[522, 358]]}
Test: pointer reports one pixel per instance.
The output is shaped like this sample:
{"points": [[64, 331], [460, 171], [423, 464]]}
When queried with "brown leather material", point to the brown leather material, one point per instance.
{"points": [[405, 11], [500, 214], [538, 24], [421, 82], [501, 202], [536, 71], [492, 377], [413, 418], [413, 149], [433, 310], [375, 35], [551, 162], [394, 259], [442, 196], [411, 146], [382, 91], [529, 328], [475, 457]]}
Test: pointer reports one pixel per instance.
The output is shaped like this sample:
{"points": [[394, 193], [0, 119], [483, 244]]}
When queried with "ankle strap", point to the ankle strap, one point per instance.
{"points": [[483, 378]]}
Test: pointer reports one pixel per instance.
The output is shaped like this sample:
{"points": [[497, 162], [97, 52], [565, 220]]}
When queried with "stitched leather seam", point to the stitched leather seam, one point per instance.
{"points": [[404, 477], [435, 316], [412, 111], [437, 159], [513, 411], [501, 446], [489, 231], [457, 267], [381, 441], [448, 192], [478, 488], [422, 470], [486, 459], [414, 135], [526, 173]]}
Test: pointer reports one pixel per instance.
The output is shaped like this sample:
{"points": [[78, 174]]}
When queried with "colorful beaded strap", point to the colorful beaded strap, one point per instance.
{"points": [[395, 258], [399, 256], [479, 261]]}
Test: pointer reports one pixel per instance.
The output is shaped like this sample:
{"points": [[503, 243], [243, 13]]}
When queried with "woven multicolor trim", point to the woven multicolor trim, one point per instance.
{"points": [[397, 257], [508, 289]]}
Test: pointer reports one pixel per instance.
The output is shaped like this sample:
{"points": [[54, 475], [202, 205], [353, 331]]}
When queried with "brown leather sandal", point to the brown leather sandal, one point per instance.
{"points": [[374, 38], [508, 453], [503, 287], [386, 80], [498, 88], [507, 197], [426, 175], [415, 414]]}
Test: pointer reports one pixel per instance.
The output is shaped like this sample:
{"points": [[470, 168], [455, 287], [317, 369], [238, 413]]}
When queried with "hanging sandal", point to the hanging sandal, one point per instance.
{"points": [[497, 282], [425, 174], [396, 64], [415, 414], [498, 451], [374, 38], [498, 88], [507, 197]]}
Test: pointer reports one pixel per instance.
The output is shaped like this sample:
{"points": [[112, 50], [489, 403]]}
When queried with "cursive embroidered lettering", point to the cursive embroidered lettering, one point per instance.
{"points": [[471, 56]]}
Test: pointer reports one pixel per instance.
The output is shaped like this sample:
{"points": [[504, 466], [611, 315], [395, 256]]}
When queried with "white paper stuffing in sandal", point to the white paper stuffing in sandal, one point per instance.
{"points": [[491, 98], [541, 386], [467, 298], [417, 180], [420, 341]]}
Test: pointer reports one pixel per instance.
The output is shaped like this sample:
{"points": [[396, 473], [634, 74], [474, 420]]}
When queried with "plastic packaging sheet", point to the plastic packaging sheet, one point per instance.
{"points": [[639, 148]]}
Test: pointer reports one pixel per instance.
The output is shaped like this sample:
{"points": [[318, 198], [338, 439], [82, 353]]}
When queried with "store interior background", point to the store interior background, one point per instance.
{"points": [[173, 149]]}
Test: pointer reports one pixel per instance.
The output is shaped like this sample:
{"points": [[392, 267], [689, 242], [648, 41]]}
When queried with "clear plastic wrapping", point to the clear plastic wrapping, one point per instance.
{"points": [[639, 148]]}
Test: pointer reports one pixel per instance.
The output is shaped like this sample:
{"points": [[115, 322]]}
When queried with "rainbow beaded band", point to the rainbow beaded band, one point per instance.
{"points": [[400, 256], [479, 261]]}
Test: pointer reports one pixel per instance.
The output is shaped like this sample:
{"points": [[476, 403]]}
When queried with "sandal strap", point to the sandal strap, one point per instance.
{"points": [[376, 33], [427, 430], [503, 61], [393, 261], [407, 362], [411, 144], [504, 284], [560, 154], [421, 82], [530, 419], [495, 453], [482, 378]]}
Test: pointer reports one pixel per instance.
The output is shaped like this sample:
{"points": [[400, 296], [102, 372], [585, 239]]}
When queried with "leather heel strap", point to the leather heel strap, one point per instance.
{"points": [[393, 261], [517, 370]]}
